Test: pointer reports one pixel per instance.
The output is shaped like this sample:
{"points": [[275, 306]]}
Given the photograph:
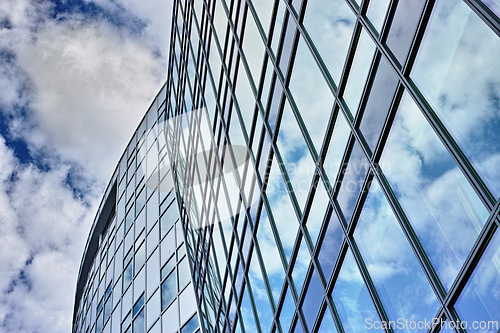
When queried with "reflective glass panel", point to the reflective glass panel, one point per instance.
{"points": [[330, 25], [352, 183], [458, 71], [311, 94], [253, 46], [298, 161], [378, 103], [270, 255], [283, 212], [336, 148], [138, 305], [439, 202], [480, 299], [247, 312], [191, 325], [403, 27], [376, 12], [170, 319], [168, 290], [300, 267], [394, 268], [351, 298], [327, 324], [264, 9], [359, 71], [317, 211], [287, 311], [184, 273], [330, 245], [246, 102], [312, 299]]}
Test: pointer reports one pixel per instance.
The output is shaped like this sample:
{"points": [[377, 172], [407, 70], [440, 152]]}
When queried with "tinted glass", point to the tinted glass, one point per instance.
{"points": [[330, 25], [311, 94], [376, 12], [442, 207], [295, 154], [392, 264], [480, 300], [458, 71], [378, 103], [352, 299], [352, 183], [359, 71], [403, 27]]}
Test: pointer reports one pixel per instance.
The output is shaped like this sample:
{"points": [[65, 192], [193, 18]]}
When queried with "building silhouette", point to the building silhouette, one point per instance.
{"points": [[309, 166]]}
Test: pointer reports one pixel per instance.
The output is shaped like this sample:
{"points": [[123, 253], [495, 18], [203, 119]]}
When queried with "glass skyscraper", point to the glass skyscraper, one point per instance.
{"points": [[309, 166]]}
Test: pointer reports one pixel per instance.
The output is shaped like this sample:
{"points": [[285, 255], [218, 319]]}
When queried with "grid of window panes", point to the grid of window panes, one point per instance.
{"points": [[373, 129], [140, 280]]}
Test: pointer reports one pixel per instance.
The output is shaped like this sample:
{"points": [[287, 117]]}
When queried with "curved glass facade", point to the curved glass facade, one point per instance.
{"points": [[135, 275], [320, 166]]}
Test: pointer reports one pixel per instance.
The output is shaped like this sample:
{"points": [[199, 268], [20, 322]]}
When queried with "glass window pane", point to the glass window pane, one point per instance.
{"points": [[286, 45], [458, 71], [300, 266], [253, 46], [191, 325], [394, 268], [153, 272], [330, 25], [285, 219], [140, 257], [327, 324], [287, 311], [246, 103], [352, 300], [439, 202], [403, 27], [127, 275], [312, 299], [330, 245], [168, 246], [184, 274], [278, 25], [378, 103], [295, 154], [376, 12], [138, 305], [352, 183], [168, 290], [480, 299], [272, 261], [152, 211], [359, 71], [153, 309], [317, 211], [264, 9], [247, 315], [187, 303], [262, 302], [170, 319], [336, 147], [311, 94]]}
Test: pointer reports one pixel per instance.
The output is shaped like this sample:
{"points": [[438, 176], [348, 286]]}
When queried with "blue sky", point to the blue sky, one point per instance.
{"points": [[76, 77]]}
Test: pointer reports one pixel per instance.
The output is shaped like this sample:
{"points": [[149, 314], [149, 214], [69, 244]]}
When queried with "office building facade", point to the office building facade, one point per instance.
{"points": [[333, 167]]}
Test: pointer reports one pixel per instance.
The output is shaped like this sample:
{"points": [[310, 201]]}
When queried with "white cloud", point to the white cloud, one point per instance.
{"points": [[44, 229], [92, 86], [74, 89]]}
